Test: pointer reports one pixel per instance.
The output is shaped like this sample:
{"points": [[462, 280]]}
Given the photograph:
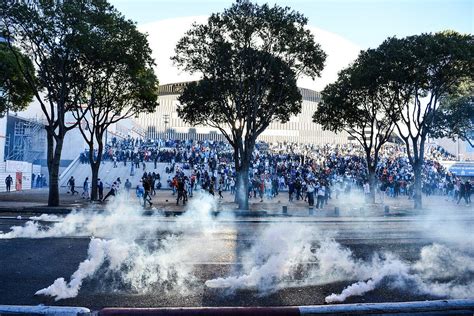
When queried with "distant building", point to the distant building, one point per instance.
{"points": [[165, 123]]}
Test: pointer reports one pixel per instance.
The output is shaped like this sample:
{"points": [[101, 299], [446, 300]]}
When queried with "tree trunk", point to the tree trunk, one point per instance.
{"points": [[95, 176], [417, 198], [242, 189], [372, 183], [95, 166], [53, 161]]}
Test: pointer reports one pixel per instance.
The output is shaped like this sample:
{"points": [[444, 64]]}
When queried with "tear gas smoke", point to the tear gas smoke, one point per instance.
{"points": [[149, 251]]}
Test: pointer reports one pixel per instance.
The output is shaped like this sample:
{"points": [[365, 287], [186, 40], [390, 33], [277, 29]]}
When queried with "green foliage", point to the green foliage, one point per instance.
{"points": [[15, 92], [121, 82], [249, 57], [355, 104], [422, 70], [419, 71], [455, 117]]}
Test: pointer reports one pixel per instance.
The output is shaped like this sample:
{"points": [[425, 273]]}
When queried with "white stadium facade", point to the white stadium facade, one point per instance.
{"points": [[165, 122]]}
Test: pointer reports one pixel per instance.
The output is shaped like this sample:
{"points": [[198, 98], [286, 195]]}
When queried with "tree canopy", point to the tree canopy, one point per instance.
{"points": [[456, 115], [249, 57], [419, 71], [355, 104], [56, 35], [15, 92], [121, 84]]}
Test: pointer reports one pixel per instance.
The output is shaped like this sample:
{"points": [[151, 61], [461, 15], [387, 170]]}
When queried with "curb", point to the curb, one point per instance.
{"points": [[441, 307], [43, 310]]}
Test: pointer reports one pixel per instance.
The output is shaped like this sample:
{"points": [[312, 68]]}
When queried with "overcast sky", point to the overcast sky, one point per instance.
{"points": [[365, 22]]}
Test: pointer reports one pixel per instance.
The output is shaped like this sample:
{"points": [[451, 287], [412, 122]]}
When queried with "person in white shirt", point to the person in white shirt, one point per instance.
{"points": [[321, 195], [367, 191]]}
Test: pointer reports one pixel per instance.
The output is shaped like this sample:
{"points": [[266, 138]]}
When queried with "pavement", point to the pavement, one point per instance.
{"points": [[30, 264]]}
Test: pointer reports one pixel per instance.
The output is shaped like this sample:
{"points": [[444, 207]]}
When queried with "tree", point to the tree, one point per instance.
{"points": [[15, 92], [355, 104], [250, 57], [456, 115], [422, 70], [121, 85], [53, 34]]}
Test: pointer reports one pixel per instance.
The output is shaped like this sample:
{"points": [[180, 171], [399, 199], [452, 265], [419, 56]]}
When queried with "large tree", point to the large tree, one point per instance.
{"points": [[456, 115], [355, 103], [422, 70], [121, 85], [15, 92], [250, 57], [53, 34]]}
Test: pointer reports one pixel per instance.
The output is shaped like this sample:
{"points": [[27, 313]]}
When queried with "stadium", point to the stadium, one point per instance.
{"points": [[165, 122]]}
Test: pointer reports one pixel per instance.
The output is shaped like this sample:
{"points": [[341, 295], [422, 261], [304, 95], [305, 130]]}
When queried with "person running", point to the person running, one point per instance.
{"points": [[181, 192], [112, 191], [72, 184], [85, 189], [8, 182], [147, 189]]}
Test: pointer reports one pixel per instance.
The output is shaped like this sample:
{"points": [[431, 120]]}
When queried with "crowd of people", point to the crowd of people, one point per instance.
{"points": [[305, 172]]}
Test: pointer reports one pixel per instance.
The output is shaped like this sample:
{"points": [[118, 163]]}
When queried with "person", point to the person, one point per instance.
{"points": [[211, 188], [85, 189], [115, 161], [139, 191], [100, 188], [468, 188], [180, 187], [367, 191], [72, 184], [112, 191], [462, 193], [321, 195], [128, 186], [310, 192], [232, 186], [8, 182], [147, 189], [220, 187]]}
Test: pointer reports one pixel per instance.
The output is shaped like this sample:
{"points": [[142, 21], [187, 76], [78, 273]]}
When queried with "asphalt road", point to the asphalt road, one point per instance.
{"points": [[27, 265]]}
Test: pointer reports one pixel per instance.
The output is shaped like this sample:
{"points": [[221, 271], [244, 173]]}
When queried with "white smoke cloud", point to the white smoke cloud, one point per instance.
{"points": [[145, 252]]}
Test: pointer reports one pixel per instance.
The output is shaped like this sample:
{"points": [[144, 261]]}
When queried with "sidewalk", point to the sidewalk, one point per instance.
{"points": [[35, 201]]}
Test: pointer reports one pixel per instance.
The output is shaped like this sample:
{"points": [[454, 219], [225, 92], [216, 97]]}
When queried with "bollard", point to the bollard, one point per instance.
{"points": [[336, 211], [311, 210], [285, 209], [386, 210]]}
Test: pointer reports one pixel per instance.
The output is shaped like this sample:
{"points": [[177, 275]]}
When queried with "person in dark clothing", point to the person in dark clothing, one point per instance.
{"points": [[147, 189], [180, 188], [113, 190], [100, 188], [72, 185], [8, 182], [211, 188], [468, 188], [462, 193]]}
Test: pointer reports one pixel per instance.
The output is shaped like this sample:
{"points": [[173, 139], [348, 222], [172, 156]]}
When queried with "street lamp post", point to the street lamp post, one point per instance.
{"points": [[166, 120]]}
